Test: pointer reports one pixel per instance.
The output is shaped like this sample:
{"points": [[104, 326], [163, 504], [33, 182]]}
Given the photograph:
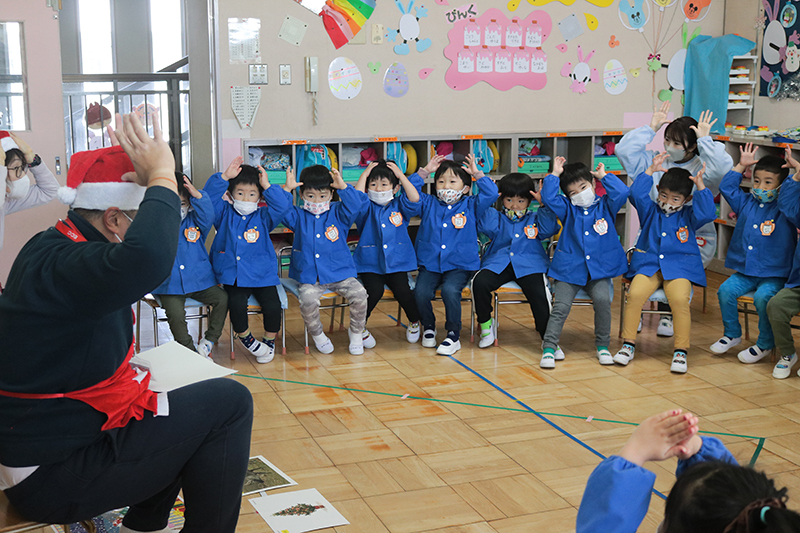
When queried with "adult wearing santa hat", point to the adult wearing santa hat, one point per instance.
{"points": [[80, 432], [16, 158]]}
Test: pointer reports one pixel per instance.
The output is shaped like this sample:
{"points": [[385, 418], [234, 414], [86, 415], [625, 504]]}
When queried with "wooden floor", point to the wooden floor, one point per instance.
{"points": [[405, 466]]}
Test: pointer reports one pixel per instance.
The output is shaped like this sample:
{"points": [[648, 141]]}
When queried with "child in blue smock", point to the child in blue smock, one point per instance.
{"points": [[588, 253], [385, 254], [447, 244], [712, 493], [192, 275], [666, 252], [515, 253], [782, 308], [321, 259], [690, 146], [242, 255], [760, 251]]}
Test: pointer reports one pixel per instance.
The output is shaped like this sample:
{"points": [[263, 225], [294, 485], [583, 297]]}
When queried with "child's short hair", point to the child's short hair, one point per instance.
{"points": [[774, 165], [680, 131], [573, 173], [457, 169], [381, 171], [516, 184], [16, 153], [183, 191], [677, 180], [247, 176], [316, 177], [709, 496]]}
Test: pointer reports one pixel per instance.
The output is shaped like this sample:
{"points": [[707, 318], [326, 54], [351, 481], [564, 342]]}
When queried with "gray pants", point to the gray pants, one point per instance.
{"points": [[349, 288], [564, 294]]}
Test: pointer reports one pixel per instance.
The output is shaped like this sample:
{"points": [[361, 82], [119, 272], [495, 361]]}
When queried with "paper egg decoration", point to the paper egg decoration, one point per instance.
{"points": [[614, 78], [344, 78], [395, 81]]}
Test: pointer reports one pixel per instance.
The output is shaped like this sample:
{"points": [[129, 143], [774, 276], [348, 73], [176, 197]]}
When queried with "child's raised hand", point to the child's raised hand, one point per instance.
{"points": [[599, 171], [433, 164], [111, 134], [191, 188], [698, 179], [291, 183], [791, 162], [471, 165], [689, 447], [558, 165], [703, 127], [338, 182], [367, 171], [747, 155], [537, 196], [658, 163], [263, 178], [661, 437], [659, 116], [394, 168], [233, 169]]}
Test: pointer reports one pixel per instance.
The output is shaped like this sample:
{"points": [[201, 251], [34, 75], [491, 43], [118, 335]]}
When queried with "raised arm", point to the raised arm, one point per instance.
{"points": [[204, 213], [278, 202], [361, 184], [712, 153], [558, 203], [789, 197], [632, 148], [352, 201], [703, 209], [617, 191]]}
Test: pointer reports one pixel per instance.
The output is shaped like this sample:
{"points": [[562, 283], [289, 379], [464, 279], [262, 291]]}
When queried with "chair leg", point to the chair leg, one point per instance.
{"points": [[496, 324], [746, 322], [333, 315], [471, 318], [705, 300], [138, 326], [341, 317], [622, 298], [305, 334], [283, 332], [155, 325]]}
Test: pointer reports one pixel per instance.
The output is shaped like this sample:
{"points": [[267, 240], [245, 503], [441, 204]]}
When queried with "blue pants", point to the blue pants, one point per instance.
{"points": [[738, 285], [452, 283]]}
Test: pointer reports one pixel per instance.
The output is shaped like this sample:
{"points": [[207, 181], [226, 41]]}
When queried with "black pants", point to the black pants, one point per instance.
{"points": [[267, 298], [398, 284], [533, 286], [202, 447]]}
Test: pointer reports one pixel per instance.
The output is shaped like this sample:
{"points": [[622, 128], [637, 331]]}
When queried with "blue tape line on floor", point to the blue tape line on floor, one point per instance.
{"points": [[396, 320], [554, 425]]}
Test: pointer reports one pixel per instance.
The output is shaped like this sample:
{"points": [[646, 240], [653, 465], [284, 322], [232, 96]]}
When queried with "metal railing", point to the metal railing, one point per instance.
{"points": [[164, 95]]}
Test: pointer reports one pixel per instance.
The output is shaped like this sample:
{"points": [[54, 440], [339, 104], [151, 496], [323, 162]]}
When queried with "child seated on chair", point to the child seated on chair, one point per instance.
{"points": [[515, 253], [760, 250], [786, 303], [666, 253], [321, 259], [447, 243], [588, 253], [192, 275], [385, 254], [242, 255]]}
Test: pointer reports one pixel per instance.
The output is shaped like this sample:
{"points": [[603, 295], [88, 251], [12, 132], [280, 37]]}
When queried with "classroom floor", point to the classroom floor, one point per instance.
{"points": [[470, 459]]}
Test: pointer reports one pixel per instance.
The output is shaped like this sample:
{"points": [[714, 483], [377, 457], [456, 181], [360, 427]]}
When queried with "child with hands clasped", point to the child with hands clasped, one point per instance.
{"points": [[588, 254], [786, 303], [192, 275], [385, 254], [321, 259], [447, 243], [760, 250], [666, 252], [242, 255], [515, 254], [712, 493]]}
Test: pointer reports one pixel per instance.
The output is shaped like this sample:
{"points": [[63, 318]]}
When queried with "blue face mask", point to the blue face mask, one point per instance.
{"points": [[765, 196]]}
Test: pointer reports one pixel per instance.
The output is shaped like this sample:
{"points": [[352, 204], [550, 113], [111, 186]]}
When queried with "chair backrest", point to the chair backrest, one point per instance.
{"points": [[286, 251]]}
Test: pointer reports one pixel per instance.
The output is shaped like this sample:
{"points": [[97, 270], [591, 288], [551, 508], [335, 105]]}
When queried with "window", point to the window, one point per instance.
{"points": [[94, 18], [166, 27]]}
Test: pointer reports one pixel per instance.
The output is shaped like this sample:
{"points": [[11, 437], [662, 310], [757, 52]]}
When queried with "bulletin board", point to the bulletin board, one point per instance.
{"points": [[589, 65]]}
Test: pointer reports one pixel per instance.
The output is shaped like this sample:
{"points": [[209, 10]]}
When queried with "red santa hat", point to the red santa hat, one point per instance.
{"points": [[94, 181], [7, 142]]}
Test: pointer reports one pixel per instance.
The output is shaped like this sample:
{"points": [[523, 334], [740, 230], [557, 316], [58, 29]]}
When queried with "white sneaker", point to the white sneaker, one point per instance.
{"points": [[678, 362], [487, 336], [412, 332], [625, 354], [448, 347], [604, 356], [784, 367], [429, 338], [559, 355], [665, 327], [753, 354], [323, 343], [367, 339], [356, 343], [548, 361], [639, 329], [253, 346], [270, 344], [204, 348], [724, 344]]}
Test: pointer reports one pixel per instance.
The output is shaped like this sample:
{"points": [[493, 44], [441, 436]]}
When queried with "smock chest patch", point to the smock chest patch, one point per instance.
{"points": [[192, 234], [251, 235], [767, 227], [459, 220], [332, 233], [601, 226], [531, 231], [396, 218], [683, 234]]}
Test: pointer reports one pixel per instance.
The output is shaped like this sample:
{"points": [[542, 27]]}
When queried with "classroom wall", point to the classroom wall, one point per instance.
{"points": [[430, 107]]}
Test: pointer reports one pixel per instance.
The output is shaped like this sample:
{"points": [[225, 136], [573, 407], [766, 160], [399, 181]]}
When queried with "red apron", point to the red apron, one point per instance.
{"points": [[123, 396]]}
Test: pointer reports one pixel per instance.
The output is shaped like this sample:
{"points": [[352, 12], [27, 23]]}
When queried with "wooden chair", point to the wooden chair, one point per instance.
{"points": [[12, 522]]}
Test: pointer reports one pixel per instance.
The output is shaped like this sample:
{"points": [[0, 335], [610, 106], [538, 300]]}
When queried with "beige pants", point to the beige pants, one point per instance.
{"points": [[678, 291]]}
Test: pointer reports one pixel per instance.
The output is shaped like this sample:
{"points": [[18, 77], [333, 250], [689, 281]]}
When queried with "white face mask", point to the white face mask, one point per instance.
{"points": [[19, 188], [449, 196], [381, 197], [184, 212], [668, 209], [317, 208], [675, 154], [245, 208], [585, 198]]}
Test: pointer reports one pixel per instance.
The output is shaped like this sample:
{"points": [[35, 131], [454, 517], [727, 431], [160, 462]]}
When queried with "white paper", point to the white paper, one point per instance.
{"points": [[293, 30], [173, 366], [244, 43], [244, 101], [570, 27], [260, 478], [315, 6], [323, 515]]}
